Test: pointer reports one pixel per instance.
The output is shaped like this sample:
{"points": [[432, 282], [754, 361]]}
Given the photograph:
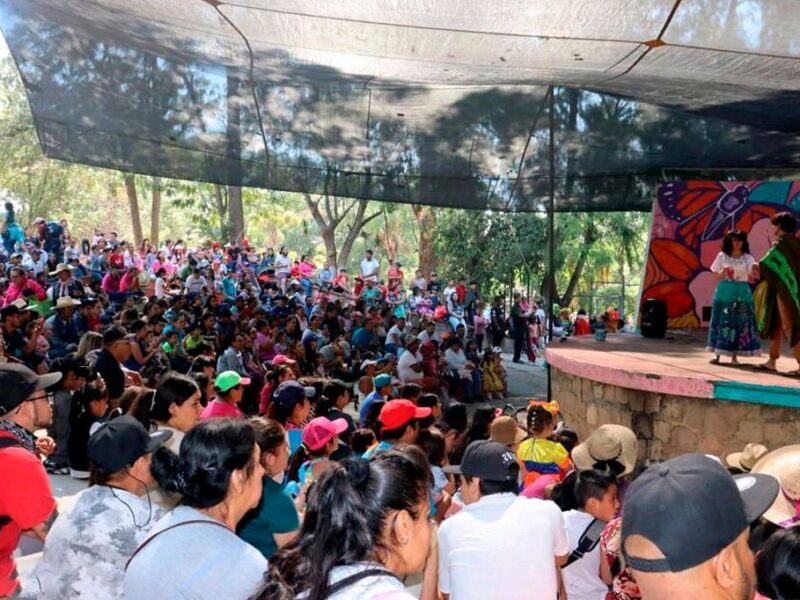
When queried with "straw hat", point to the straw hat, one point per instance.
{"points": [[607, 443], [746, 459], [784, 465], [61, 267], [66, 302], [505, 430]]}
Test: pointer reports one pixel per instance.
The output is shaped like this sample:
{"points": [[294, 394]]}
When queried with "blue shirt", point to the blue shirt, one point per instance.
{"points": [[363, 338], [378, 449], [362, 412]]}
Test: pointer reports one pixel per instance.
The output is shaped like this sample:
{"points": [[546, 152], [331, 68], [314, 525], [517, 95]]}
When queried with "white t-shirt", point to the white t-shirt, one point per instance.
{"points": [[741, 266], [394, 336], [582, 578], [455, 360], [503, 546], [282, 264], [160, 288], [376, 587], [369, 268], [404, 370]]}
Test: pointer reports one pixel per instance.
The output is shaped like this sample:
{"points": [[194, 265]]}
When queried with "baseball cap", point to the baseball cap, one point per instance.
{"points": [[382, 380], [121, 441], [228, 380], [282, 359], [19, 382], [690, 508], [368, 363], [506, 431], [322, 430], [487, 460], [397, 413], [291, 392]]}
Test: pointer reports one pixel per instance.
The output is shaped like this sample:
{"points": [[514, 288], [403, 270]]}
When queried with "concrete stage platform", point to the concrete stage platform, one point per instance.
{"points": [[668, 392]]}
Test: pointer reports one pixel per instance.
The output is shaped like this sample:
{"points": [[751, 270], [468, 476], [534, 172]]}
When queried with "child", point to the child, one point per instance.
{"points": [[87, 414], [494, 375], [320, 440], [539, 455], [595, 495], [363, 440], [431, 441]]}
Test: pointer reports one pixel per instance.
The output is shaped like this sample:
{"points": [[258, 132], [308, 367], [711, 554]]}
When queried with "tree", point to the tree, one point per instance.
{"points": [[133, 204], [426, 224], [155, 212]]}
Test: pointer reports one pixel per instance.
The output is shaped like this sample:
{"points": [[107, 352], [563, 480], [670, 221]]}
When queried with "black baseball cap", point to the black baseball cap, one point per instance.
{"points": [[487, 460], [122, 441], [691, 508], [18, 383]]}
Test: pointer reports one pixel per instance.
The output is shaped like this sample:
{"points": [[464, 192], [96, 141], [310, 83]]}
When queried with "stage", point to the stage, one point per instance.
{"points": [[670, 394]]}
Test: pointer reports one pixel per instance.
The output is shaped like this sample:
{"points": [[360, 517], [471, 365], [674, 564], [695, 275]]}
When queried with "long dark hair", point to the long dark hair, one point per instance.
{"points": [[736, 234], [210, 453], [778, 565], [330, 394], [344, 520], [173, 388]]}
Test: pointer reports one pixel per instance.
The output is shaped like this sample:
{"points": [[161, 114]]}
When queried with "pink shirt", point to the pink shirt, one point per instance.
{"points": [[480, 324], [216, 409]]}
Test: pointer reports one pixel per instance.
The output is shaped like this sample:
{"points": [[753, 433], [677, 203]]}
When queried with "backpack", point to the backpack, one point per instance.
{"points": [[587, 542]]}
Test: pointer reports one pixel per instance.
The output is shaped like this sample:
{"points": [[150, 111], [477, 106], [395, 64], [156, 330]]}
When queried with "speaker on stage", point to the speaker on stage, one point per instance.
{"points": [[654, 318]]}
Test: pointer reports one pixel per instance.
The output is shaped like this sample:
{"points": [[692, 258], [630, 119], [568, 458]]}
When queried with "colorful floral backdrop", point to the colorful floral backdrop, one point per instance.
{"points": [[689, 220]]}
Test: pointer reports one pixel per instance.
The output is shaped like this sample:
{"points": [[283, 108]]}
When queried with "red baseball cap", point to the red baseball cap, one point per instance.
{"points": [[282, 359], [322, 430], [397, 413]]}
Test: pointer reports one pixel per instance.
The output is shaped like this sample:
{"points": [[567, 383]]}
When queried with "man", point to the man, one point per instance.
{"points": [[499, 545], [88, 546], [685, 526], [65, 284], [369, 267], [382, 391], [519, 328], [497, 317], [129, 282], [116, 350], [314, 329], [20, 284], [409, 367], [195, 283], [75, 372], [17, 345], [472, 297], [780, 270], [428, 333], [364, 337], [371, 294], [26, 501], [399, 421], [394, 338], [63, 333]]}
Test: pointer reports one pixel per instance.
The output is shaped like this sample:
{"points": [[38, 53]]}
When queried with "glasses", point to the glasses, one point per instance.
{"points": [[48, 397]]}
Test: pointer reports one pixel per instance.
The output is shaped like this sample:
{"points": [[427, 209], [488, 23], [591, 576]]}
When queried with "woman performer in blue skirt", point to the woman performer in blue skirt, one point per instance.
{"points": [[733, 326]]}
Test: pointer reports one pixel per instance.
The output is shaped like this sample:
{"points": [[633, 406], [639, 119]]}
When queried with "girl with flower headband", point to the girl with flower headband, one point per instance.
{"points": [[539, 455]]}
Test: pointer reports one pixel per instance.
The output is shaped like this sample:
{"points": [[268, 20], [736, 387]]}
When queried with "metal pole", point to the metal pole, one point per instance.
{"points": [[551, 242]]}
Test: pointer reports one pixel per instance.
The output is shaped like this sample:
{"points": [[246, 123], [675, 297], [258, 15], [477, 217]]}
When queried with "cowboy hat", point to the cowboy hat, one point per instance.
{"points": [[608, 444], [66, 302], [784, 465], [745, 460], [61, 267]]}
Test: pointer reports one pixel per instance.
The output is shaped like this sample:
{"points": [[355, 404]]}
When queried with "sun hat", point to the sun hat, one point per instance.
{"points": [[382, 380], [66, 302], [18, 382], [397, 413], [488, 461], [690, 508], [228, 380], [368, 363], [61, 267], [505, 430], [609, 447], [746, 459], [784, 465], [497, 350], [410, 339], [121, 442], [322, 430]]}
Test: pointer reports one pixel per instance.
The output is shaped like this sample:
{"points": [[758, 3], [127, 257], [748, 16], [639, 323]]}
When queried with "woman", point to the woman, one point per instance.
{"points": [[193, 551], [366, 526], [275, 521], [778, 566], [176, 407], [290, 407], [335, 398], [732, 331]]}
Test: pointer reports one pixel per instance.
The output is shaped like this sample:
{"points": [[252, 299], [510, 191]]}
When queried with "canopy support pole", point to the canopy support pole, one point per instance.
{"points": [[551, 243]]}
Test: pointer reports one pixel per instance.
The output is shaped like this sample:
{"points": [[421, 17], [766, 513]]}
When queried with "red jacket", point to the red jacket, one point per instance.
{"points": [[15, 291]]}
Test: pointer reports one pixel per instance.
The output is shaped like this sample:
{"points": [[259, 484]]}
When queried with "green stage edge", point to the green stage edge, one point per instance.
{"points": [[757, 394]]}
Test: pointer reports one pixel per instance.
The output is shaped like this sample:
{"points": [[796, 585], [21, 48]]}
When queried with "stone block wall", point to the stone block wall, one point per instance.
{"points": [[670, 425]]}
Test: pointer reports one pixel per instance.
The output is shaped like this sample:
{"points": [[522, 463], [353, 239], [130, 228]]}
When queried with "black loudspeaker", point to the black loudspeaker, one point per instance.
{"points": [[654, 318]]}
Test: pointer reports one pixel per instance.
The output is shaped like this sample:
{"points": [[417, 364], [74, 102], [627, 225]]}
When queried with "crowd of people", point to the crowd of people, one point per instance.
{"points": [[250, 426]]}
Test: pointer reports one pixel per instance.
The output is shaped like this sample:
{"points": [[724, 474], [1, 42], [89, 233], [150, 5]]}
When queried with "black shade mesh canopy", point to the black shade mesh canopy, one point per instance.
{"points": [[440, 102]]}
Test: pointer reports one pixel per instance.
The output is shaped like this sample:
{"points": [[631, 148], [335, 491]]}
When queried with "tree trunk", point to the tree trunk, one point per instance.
{"points": [[133, 203], [359, 222], [221, 202], [155, 212], [588, 242], [236, 209], [426, 223]]}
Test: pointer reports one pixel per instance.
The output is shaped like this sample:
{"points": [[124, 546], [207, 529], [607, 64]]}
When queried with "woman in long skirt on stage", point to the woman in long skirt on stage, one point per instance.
{"points": [[733, 325]]}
